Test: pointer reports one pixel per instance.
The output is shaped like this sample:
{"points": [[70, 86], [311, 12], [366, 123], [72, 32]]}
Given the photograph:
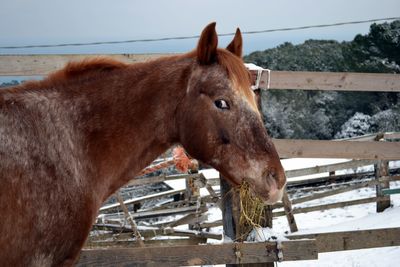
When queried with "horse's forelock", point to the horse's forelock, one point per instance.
{"points": [[238, 74]]}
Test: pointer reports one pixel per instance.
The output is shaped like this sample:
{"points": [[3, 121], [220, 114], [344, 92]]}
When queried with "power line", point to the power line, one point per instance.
{"points": [[197, 36]]}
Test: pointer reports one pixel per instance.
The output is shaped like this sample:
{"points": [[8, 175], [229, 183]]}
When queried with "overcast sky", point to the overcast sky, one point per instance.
{"points": [[26, 22]]}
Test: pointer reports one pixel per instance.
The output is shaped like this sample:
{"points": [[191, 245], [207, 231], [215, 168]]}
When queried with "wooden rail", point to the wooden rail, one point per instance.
{"points": [[142, 199], [40, 65], [300, 247], [329, 168], [336, 81], [337, 149], [330, 206], [349, 240], [230, 253]]}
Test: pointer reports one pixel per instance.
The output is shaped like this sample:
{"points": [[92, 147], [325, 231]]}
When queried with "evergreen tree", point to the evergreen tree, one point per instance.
{"points": [[321, 114]]}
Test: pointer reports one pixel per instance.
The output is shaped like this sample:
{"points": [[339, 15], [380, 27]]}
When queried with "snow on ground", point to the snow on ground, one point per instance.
{"points": [[358, 217]]}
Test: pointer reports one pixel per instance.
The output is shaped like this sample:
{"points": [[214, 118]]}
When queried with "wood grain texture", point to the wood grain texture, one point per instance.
{"points": [[40, 65], [337, 149], [199, 255], [349, 240], [337, 81]]}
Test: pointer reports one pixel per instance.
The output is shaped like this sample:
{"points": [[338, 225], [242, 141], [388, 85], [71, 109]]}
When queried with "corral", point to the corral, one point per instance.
{"points": [[121, 248]]}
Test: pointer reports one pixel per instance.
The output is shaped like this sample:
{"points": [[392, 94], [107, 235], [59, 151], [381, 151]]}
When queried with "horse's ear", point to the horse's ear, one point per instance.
{"points": [[207, 46], [236, 46]]}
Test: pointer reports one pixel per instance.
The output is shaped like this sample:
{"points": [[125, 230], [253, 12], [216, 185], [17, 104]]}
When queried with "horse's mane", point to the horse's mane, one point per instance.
{"points": [[232, 64], [79, 68]]}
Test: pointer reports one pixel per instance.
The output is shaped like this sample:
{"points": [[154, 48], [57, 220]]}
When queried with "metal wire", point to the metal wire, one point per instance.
{"points": [[197, 36]]}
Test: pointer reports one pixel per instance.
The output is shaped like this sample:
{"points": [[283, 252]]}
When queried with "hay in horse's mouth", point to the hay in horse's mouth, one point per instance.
{"points": [[252, 209]]}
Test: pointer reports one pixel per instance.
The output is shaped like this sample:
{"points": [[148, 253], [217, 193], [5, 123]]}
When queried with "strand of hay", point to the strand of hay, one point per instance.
{"points": [[252, 209]]}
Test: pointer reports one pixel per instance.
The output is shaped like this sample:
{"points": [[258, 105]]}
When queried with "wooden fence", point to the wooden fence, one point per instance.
{"points": [[24, 65], [363, 151]]}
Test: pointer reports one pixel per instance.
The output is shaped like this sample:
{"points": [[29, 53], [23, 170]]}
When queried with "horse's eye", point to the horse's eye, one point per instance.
{"points": [[221, 104]]}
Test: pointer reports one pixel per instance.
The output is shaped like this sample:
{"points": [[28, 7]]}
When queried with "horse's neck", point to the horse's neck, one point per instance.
{"points": [[134, 118]]}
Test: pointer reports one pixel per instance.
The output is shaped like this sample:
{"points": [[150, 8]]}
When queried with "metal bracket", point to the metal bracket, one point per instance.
{"points": [[279, 250], [260, 71]]}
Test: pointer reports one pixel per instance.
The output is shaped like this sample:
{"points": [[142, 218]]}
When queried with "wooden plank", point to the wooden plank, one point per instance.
{"points": [[329, 168], [338, 81], [329, 206], [141, 199], [327, 180], [40, 65], [343, 190], [158, 179], [92, 244], [382, 169], [211, 224], [159, 213], [287, 207], [230, 253], [337, 149], [349, 240]]}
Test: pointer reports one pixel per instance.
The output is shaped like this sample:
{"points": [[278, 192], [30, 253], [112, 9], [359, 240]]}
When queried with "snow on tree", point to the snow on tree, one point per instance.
{"points": [[358, 124]]}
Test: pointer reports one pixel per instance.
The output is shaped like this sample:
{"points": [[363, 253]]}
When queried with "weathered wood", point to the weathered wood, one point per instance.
{"points": [[158, 179], [345, 189], [111, 207], [93, 244], [211, 224], [329, 168], [348, 240], [338, 81], [327, 179], [129, 218], [40, 65], [166, 212], [287, 207], [194, 218], [382, 169], [337, 149], [329, 206], [231, 253], [147, 232], [230, 215]]}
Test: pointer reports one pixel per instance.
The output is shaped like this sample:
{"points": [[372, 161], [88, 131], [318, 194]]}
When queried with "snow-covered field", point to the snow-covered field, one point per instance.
{"points": [[350, 218]]}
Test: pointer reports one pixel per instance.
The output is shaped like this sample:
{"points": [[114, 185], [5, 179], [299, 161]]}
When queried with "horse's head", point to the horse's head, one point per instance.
{"points": [[219, 122]]}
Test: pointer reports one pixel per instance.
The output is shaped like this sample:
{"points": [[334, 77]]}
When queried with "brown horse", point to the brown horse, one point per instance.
{"points": [[69, 141]]}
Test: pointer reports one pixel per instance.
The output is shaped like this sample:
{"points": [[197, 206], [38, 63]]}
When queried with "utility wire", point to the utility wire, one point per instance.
{"points": [[197, 36]]}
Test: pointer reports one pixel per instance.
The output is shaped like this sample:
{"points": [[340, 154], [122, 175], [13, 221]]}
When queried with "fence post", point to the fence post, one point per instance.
{"points": [[382, 170], [193, 193], [287, 206], [230, 217]]}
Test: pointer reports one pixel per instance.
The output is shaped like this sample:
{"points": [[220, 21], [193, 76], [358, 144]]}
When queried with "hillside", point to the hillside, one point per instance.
{"points": [[327, 115]]}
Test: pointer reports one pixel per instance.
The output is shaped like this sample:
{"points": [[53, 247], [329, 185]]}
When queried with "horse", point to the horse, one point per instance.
{"points": [[71, 140]]}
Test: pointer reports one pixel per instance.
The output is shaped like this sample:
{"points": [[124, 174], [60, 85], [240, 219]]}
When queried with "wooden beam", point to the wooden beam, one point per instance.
{"points": [[337, 149], [329, 206], [41, 65], [141, 199], [338, 81], [349, 240], [230, 253], [381, 170], [158, 179], [343, 190], [329, 168], [126, 243]]}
